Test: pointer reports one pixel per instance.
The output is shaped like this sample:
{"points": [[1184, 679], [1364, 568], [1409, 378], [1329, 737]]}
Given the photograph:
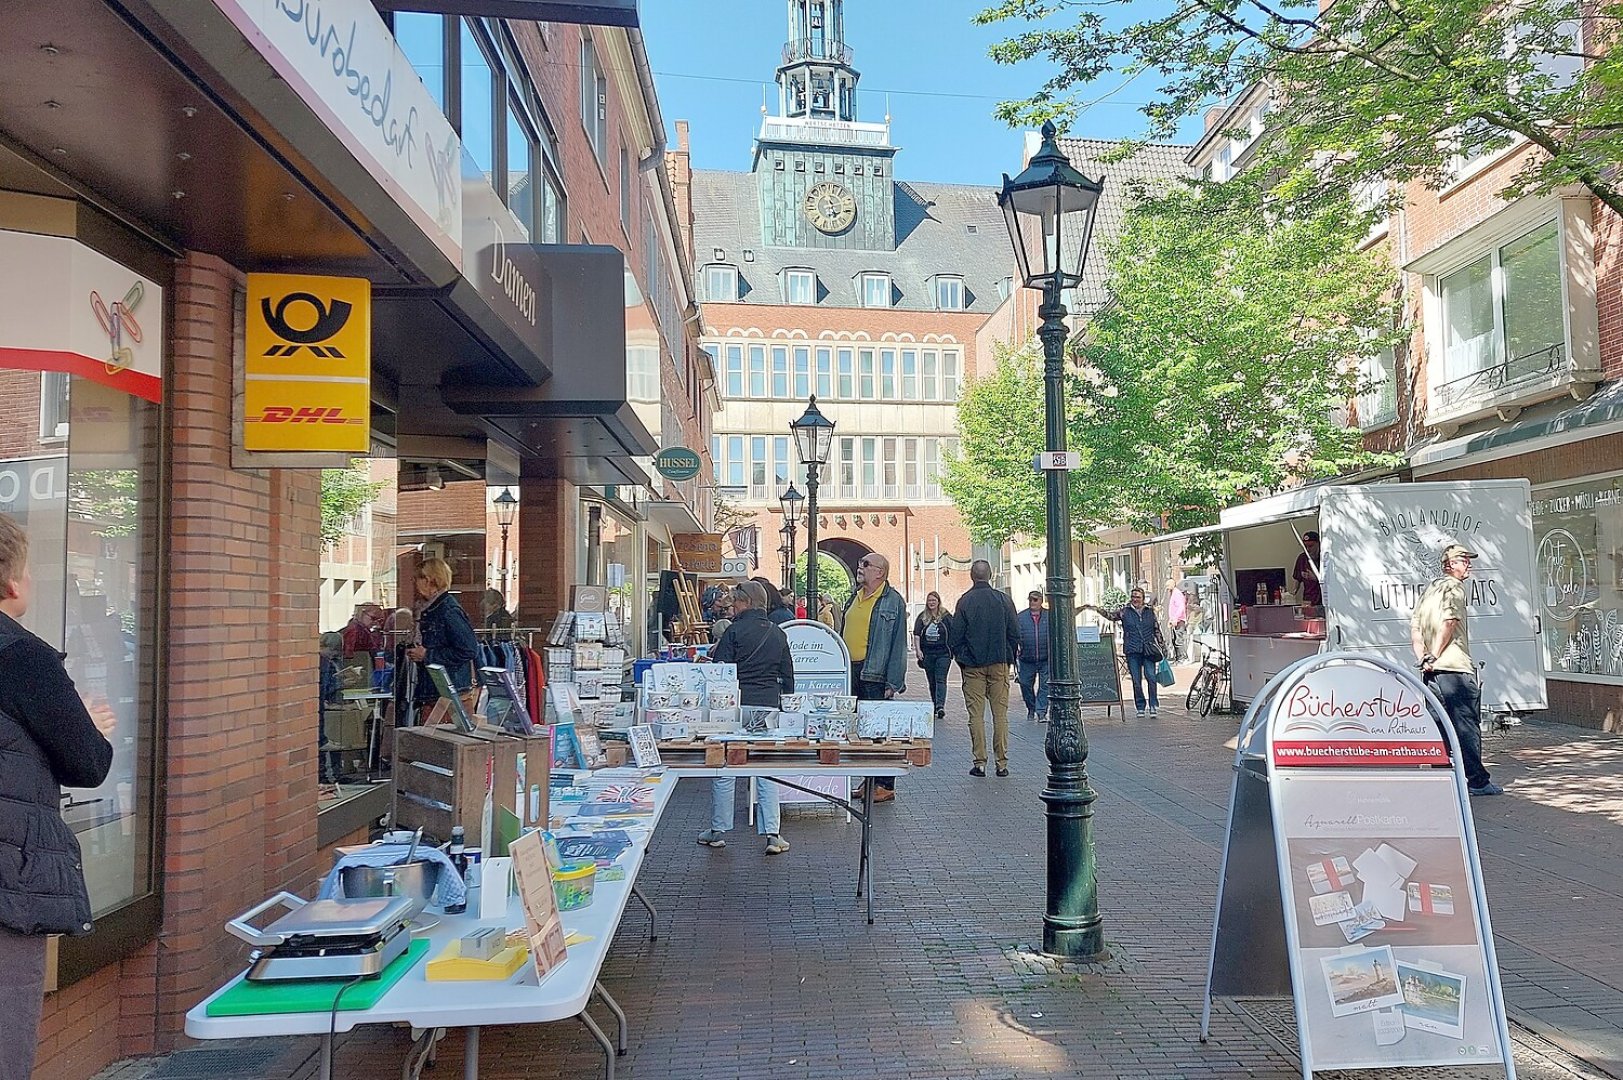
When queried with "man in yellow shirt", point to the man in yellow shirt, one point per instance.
{"points": [[1441, 641], [876, 636]]}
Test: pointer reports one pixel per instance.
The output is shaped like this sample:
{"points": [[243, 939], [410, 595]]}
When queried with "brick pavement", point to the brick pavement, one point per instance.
{"points": [[765, 969]]}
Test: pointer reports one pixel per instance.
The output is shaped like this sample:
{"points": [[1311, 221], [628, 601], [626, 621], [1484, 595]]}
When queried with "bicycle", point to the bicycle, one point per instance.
{"points": [[1210, 683]]}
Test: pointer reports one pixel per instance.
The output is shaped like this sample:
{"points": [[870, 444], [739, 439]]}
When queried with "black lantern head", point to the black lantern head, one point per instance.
{"points": [[792, 502], [506, 507], [1049, 209], [814, 435]]}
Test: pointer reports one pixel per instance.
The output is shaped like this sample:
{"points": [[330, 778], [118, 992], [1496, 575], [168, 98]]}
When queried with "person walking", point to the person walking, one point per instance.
{"points": [[1033, 657], [444, 634], [777, 608], [876, 637], [1441, 641], [985, 642], [829, 613], [1140, 645], [766, 671], [48, 741], [722, 615], [931, 634]]}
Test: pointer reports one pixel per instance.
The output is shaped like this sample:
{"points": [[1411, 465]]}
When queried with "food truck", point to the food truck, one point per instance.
{"points": [[1380, 546]]}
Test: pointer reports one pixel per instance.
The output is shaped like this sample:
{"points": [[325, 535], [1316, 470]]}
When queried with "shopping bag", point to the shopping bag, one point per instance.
{"points": [[1163, 673]]}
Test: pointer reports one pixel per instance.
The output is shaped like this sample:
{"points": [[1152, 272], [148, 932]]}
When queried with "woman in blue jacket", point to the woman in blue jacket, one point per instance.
{"points": [[444, 634], [1140, 634]]}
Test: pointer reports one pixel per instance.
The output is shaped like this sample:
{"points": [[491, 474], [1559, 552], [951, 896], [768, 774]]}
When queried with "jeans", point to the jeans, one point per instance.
{"points": [[1461, 696], [936, 666], [22, 999], [870, 691], [1142, 669], [766, 804], [983, 685], [1034, 685]]}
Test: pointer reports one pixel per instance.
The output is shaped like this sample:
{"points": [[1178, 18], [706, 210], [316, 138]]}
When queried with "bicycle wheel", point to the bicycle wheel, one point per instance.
{"points": [[1195, 684], [1208, 694]]}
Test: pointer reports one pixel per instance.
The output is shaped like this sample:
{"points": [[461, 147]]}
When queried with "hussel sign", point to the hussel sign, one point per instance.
{"points": [[1350, 880]]}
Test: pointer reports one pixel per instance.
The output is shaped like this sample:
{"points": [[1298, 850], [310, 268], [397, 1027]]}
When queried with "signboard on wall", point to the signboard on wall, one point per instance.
{"points": [[67, 308], [699, 553], [307, 376], [1371, 913]]}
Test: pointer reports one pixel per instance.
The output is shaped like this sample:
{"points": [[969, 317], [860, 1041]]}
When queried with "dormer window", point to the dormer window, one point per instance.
{"points": [[721, 283], [949, 294], [876, 290], [799, 287]]}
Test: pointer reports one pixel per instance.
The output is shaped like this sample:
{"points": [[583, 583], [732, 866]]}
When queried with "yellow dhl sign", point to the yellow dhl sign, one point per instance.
{"points": [[308, 371]]}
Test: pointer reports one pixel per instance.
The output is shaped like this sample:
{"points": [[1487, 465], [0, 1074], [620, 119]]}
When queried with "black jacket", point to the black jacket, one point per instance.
{"points": [[761, 651], [1139, 629], [47, 740], [984, 630], [449, 638]]}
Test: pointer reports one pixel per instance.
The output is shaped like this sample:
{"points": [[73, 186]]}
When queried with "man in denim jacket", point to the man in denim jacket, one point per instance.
{"points": [[876, 635]]}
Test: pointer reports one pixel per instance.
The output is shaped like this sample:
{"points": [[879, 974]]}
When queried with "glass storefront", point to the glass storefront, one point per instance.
{"points": [[78, 471], [1578, 527]]}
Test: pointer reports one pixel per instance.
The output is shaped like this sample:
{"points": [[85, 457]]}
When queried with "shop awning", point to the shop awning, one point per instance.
{"points": [[1167, 538], [1601, 414], [675, 515]]}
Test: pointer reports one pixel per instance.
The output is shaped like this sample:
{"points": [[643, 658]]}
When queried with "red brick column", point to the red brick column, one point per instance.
{"points": [[545, 543]]}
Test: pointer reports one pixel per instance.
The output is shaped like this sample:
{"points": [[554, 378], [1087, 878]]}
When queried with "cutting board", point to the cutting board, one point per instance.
{"points": [[249, 998]]}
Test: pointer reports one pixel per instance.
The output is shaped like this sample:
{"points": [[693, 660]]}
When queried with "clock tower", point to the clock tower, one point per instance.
{"points": [[824, 177]]}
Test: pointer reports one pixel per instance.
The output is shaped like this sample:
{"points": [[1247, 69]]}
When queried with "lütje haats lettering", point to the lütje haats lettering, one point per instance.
{"points": [[1391, 594], [336, 45], [1397, 714]]}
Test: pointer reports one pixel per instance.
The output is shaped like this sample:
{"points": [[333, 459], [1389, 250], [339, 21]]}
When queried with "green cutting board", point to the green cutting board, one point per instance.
{"points": [[249, 998]]}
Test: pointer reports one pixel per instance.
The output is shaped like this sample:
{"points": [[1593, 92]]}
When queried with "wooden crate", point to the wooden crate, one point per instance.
{"points": [[440, 775]]}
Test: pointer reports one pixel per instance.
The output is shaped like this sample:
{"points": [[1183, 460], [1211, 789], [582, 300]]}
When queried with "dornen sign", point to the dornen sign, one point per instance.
{"points": [[307, 382]]}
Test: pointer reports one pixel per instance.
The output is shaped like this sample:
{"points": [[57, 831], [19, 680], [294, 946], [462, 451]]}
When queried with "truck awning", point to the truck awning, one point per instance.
{"points": [[1166, 538]]}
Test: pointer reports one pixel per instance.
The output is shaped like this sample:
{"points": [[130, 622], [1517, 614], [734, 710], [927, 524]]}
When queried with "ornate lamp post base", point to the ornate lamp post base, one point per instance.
{"points": [[1072, 926]]}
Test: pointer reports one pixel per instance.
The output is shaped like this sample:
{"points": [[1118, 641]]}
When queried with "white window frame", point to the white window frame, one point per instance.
{"points": [[799, 283], [726, 294], [879, 281], [943, 281]]}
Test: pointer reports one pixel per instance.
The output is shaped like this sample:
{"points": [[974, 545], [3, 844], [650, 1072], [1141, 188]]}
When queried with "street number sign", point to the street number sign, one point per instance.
{"points": [[1058, 461]]}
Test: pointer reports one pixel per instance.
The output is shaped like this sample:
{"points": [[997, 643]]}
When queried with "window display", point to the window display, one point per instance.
{"points": [[1579, 531]]}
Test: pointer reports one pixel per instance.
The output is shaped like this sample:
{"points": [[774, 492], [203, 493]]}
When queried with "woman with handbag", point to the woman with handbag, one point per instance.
{"points": [[931, 631], [1141, 646], [444, 635]]}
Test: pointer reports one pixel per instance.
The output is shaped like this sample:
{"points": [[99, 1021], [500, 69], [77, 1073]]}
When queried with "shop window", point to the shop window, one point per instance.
{"points": [[478, 83], [1503, 317], [1579, 566], [422, 38]]}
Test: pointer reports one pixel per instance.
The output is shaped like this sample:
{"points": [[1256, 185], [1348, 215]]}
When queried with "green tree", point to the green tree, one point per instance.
{"points": [[1219, 371], [1370, 91], [833, 579], [344, 494]]}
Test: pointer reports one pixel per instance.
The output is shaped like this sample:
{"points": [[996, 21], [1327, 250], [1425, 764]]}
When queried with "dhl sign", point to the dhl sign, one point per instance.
{"points": [[307, 382]]}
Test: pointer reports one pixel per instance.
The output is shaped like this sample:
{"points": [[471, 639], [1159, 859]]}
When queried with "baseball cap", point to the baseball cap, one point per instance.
{"points": [[1458, 551]]}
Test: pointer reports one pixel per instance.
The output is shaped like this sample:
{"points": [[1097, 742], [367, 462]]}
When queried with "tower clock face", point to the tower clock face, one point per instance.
{"points": [[830, 208]]}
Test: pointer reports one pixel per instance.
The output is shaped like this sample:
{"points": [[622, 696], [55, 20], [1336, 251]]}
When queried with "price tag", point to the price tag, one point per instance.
{"points": [[1058, 460]]}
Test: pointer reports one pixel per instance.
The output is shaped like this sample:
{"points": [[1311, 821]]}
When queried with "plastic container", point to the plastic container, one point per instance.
{"points": [[572, 885]]}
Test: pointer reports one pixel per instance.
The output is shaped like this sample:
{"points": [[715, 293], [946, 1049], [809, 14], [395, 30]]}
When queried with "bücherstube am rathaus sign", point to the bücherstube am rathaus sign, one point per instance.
{"points": [[677, 463]]}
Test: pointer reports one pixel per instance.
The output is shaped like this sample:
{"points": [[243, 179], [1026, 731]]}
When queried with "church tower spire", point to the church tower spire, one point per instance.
{"points": [[816, 80]]}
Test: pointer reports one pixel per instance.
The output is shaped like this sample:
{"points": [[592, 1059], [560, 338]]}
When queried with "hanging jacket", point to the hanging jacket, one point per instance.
{"points": [[47, 740]]}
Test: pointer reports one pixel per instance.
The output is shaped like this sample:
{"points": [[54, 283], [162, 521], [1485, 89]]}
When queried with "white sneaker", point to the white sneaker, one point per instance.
{"points": [[1141, 712], [1154, 709], [776, 845]]}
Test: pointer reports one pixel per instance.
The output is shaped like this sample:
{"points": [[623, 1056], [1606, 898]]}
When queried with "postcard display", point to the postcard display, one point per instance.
{"points": [[586, 663], [1350, 877]]}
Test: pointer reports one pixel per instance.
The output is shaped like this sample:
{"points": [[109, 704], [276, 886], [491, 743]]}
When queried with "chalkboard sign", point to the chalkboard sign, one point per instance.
{"points": [[1098, 679]]}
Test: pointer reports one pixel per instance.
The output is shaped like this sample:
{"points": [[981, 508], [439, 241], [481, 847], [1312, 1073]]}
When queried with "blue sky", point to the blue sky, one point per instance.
{"points": [[926, 53]]}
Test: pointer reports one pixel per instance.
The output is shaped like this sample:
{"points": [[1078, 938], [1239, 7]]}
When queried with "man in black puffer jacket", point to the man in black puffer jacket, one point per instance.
{"points": [[47, 740]]}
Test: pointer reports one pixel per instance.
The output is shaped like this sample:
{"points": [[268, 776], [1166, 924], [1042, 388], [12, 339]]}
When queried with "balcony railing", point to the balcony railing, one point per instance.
{"points": [[816, 49], [1490, 382]]}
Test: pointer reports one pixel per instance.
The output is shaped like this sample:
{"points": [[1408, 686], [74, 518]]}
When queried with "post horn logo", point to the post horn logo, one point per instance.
{"points": [[329, 320]]}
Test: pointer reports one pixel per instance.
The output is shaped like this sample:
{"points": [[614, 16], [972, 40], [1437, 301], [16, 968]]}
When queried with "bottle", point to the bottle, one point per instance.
{"points": [[1245, 621], [1262, 593], [459, 859]]}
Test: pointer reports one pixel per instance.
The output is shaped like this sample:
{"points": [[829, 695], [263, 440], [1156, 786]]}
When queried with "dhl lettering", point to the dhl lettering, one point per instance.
{"points": [[285, 414]]}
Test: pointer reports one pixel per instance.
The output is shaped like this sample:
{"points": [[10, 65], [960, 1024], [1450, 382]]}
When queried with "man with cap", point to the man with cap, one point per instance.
{"points": [[1442, 645], [1306, 573], [1033, 657]]}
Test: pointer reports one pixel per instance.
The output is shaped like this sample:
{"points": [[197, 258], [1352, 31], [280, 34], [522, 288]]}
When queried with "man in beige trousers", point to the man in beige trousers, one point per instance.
{"points": [[985, 640]]}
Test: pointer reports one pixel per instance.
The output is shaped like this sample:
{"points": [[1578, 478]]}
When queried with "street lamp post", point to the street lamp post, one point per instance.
{"points": [[814, 437], [506, 510], [1049, 209], [791, 501], [786, 554]]}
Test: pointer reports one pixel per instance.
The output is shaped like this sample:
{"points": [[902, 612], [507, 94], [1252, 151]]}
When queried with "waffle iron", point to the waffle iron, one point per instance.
{"points": [[325, 939]]}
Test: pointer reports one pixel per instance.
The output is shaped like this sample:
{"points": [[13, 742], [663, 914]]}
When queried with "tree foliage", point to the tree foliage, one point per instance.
{"points": [[344, 494], [1220, 371], [1365, 92], [833, 580]]}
